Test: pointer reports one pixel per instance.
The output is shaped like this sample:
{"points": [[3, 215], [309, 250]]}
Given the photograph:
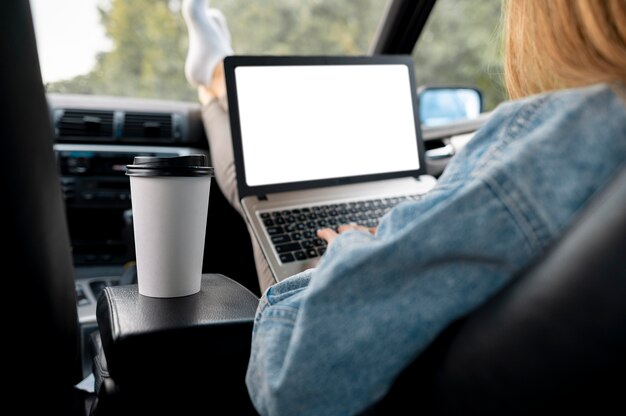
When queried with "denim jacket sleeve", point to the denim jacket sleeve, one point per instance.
{"points": [[331, 340]]}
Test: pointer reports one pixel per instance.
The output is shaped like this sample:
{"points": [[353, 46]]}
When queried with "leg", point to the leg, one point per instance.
{"points": [[209, 42], [215, 117]]}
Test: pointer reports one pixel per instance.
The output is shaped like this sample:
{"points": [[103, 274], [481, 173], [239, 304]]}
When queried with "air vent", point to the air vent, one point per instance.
{"points": [[83, 123], [148, 126]]}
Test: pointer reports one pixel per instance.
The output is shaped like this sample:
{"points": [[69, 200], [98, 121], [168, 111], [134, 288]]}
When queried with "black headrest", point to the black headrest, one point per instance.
{"points": [[553, 340], [42, 334]]}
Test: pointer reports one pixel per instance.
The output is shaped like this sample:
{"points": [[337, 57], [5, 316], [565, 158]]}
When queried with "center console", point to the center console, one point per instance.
{"points": [[95, 138], [181, 355], [97, 198], [98, 209]]}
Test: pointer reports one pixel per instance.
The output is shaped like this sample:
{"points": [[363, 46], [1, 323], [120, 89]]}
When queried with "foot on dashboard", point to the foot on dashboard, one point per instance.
{"points": [[209, 41]]}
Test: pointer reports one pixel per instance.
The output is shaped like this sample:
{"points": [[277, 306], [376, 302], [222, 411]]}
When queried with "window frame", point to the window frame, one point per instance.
{"points": [[401, 26]]}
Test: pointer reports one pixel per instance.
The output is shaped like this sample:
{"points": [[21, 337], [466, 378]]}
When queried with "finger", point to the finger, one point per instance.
{"points": [[327, 234], [347, 227]]}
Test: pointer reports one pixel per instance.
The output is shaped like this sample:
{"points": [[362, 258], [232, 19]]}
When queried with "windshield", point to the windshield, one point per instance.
{"points": [[461, 46], [137, 48]]}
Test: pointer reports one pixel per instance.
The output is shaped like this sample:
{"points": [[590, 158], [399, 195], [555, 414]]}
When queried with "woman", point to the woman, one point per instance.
{"points": [[332, 340]]}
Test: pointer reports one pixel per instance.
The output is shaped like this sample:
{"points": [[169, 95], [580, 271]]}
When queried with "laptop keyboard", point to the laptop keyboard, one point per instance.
{"points": [[293, 231]]}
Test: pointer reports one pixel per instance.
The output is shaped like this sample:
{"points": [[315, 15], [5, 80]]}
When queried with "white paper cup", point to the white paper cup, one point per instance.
{"points": [[170, 201]]}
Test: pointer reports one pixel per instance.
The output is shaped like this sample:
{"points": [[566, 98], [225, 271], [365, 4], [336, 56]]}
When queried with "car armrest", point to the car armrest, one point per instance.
{"points": [[175, 351]]}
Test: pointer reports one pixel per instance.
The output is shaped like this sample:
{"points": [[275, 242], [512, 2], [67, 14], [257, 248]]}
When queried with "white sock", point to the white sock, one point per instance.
{"points": [[209, 41]]}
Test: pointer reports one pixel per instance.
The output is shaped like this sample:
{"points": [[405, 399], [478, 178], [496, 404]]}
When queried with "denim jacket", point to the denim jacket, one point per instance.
{"points": [[331, 340]]}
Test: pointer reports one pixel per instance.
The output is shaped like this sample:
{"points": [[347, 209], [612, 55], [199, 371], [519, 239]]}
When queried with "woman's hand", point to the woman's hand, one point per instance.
{"points": [[329, 234]]}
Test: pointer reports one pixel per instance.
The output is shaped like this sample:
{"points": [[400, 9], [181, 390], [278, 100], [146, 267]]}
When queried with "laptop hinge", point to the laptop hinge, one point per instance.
{"points": [[262, 197]]}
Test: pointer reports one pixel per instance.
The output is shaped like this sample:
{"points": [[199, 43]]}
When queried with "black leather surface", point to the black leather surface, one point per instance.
{"points": [[553, 341], [41, 335], [220, 300], [186, 353]]}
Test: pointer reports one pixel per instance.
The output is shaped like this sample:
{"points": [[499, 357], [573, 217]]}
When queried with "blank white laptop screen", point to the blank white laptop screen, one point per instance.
{"points": [[303, 123]]}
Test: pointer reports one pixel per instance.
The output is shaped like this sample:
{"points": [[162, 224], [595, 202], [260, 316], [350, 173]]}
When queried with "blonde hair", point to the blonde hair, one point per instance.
{"points": [[553, 44]]}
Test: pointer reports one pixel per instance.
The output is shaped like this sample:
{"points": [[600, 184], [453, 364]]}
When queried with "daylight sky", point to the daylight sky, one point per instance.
{"points": [[69, 35]]}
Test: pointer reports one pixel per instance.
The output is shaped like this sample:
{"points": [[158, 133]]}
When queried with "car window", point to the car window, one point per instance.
{"points": [[137, 48], [461, 46]]}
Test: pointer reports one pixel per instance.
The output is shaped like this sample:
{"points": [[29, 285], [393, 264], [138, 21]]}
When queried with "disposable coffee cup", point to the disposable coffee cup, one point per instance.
{"points": [[170, 201]]}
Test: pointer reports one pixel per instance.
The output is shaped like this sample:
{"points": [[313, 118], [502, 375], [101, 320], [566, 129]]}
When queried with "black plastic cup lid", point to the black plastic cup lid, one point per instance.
{"points": [[191, 165]]}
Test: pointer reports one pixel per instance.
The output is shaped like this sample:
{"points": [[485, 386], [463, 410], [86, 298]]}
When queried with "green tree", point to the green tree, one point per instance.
{"points": [[149, 46], [328, 27], [149, 42], [461, 45]]}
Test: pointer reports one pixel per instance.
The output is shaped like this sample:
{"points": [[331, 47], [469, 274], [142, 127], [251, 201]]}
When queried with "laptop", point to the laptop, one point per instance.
{"points": [[319, 142]]}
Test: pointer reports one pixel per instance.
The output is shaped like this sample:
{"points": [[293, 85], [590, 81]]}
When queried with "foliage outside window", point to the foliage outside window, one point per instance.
{"points": [[461, 45], [149, 40]]}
